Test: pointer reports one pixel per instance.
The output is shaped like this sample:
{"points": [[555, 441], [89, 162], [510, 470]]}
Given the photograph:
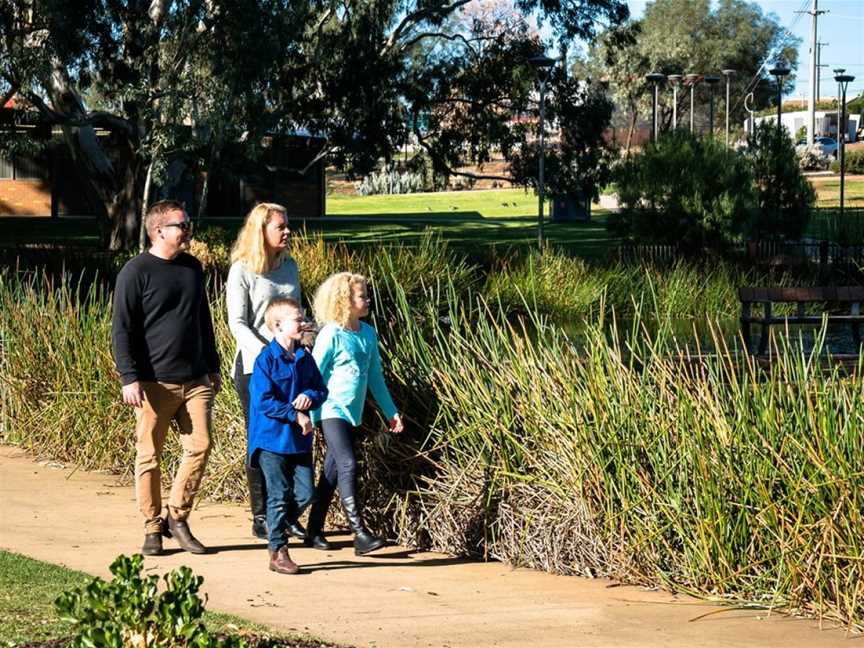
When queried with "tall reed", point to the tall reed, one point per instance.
{"points": [[713, 476], [614, 454]]}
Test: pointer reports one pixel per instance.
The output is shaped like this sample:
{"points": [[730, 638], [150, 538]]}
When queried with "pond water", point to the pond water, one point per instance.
{"points": [[697, 336]]}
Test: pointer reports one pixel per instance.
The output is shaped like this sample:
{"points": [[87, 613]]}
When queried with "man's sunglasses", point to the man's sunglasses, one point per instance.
{"points": [[186, 226]]}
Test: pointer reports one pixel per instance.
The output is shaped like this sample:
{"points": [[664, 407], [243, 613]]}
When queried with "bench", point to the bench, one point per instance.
{"points": [[847, 297]]}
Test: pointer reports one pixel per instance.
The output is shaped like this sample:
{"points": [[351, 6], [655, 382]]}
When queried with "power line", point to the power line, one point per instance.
{"points": [[751, 85]]}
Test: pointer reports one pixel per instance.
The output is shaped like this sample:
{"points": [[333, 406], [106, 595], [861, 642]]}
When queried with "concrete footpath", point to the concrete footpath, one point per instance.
{"points": [[397, 598]]}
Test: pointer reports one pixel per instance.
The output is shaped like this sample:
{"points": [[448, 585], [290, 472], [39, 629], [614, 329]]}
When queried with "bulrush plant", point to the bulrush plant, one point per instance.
{"points": [[711, 476], [624, 452]]}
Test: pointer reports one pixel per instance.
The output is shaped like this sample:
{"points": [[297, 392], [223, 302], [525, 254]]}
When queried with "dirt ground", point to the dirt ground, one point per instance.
{"points": [[397, 598]]}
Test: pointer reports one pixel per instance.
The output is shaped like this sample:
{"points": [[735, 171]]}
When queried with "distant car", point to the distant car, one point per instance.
{"points": [[828, 145]]}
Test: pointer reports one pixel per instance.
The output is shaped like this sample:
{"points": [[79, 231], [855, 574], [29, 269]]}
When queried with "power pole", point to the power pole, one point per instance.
{"points": [[814, 72], [819, 67]]}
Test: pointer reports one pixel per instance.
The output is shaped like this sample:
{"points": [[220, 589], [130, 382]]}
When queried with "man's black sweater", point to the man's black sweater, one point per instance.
{"points": [[161, 327]]}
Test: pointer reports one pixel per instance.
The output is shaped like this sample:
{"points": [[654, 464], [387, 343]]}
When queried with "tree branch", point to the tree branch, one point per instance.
{"points": [[99, 119], [450, 37], [450, 170], [417, 16]]}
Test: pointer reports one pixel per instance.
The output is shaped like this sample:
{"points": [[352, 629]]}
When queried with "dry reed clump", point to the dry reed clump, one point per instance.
{"points": [[552, 531]]}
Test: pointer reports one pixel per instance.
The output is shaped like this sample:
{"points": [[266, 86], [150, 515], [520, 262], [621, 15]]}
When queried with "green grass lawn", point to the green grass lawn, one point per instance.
{"points": [[494, 203], [27, 591], [828, 192], [503, 218]]}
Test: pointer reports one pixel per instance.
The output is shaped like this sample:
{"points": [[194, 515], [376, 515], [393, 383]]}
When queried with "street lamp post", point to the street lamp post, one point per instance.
{"points": [[748, 106], [838, 72], [711, 80], [780, 72], [674, 79], [843, 81], [656, 79], [692, 81], [542, 65], [728, 74]]}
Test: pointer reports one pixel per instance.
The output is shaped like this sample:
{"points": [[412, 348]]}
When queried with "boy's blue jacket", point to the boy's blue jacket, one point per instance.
{"points": [[277, 379]]}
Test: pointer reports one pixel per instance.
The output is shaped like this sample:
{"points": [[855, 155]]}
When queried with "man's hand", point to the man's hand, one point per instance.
{"points": [[215, 382], [396, 424], [302, 402], [305, 423], [133, 394]]}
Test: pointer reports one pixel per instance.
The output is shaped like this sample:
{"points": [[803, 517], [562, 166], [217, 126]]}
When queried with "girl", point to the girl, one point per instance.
{"points": [[262, 270], [347, 355]]}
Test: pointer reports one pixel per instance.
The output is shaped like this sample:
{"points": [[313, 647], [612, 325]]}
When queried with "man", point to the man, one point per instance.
{"points": [[165, 352]]}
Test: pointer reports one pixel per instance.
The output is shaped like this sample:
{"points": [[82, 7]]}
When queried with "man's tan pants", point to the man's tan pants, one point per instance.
{"points": [[190, 404]]}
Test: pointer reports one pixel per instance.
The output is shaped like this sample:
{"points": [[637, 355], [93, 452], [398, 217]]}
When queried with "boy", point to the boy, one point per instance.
{"points": [[285, 385]]}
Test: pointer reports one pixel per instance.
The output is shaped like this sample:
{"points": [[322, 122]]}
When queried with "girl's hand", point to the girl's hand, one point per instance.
{"points": [[302, 402], [396, 424], [305, 424]]}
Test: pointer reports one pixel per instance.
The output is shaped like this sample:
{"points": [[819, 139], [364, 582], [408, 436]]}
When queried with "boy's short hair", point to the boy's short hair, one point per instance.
{"points": [[276, 309]]}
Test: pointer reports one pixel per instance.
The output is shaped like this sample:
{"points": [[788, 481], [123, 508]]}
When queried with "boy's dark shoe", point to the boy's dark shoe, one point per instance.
{"points": [[296, 530], [152, 544], [180, 531], [259, 527], [318, 541], [281, 562]]}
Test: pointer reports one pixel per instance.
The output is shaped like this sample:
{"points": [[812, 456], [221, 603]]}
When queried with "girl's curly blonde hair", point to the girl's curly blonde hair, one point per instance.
{"points": [[332, 302], [249, 246]]}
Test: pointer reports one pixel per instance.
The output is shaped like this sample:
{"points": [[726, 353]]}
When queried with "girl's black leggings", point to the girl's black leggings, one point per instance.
{"points": [[340, 465]]}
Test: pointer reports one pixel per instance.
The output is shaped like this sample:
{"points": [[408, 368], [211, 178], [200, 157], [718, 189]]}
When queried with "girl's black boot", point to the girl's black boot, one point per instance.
{"points": [[364, 541]]}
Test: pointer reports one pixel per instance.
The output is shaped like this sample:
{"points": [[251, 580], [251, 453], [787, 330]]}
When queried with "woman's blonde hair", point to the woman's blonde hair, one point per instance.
{"points": [[250, 247], [332, 303]]}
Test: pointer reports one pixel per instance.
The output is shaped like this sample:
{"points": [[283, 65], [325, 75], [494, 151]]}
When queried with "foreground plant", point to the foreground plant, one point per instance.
{"points": [[131, 611]]}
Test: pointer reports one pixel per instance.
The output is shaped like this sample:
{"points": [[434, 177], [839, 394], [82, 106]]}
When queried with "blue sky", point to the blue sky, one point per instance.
{"points": [[842, 28]]}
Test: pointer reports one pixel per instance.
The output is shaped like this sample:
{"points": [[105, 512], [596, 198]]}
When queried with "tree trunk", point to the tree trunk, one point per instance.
{"points": [[633, 119], [208, 173], [145, 205], [124, 212]]}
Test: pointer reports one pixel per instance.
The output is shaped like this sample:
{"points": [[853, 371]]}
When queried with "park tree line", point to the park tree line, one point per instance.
{"points": [[198, 82], [182, 79]]}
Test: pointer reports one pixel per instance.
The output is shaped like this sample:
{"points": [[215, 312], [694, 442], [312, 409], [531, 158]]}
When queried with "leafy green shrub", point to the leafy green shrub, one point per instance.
{"points": [[854, 162], [130, 611], [784, 196], [686, 190]]}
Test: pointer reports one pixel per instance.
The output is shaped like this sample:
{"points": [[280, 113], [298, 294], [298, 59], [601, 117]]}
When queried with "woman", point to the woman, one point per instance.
{"points": [[262, 270]]}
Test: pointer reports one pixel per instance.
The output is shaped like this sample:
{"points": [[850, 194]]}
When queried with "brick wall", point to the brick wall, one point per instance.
{"points": [[25, 198]]}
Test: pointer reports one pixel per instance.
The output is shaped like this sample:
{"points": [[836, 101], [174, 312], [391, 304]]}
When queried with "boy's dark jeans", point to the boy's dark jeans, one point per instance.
{"points": [[279, 475]]}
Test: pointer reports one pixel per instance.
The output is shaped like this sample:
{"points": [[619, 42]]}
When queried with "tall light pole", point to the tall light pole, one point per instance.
{"points": [[843, 81], [656, 79], [748, 106], [838, 72], [692, 81], [542, 65], [779, 72], [674, 79], [711, 80], [728, 74]]}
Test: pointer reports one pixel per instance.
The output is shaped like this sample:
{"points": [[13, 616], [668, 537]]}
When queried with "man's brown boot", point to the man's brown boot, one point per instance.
{"points": [[180, 531], [152, 544], [281, 562]]}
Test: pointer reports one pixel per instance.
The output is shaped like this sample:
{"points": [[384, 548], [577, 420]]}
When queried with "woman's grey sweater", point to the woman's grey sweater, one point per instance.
{"points": [[247, 295]]}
